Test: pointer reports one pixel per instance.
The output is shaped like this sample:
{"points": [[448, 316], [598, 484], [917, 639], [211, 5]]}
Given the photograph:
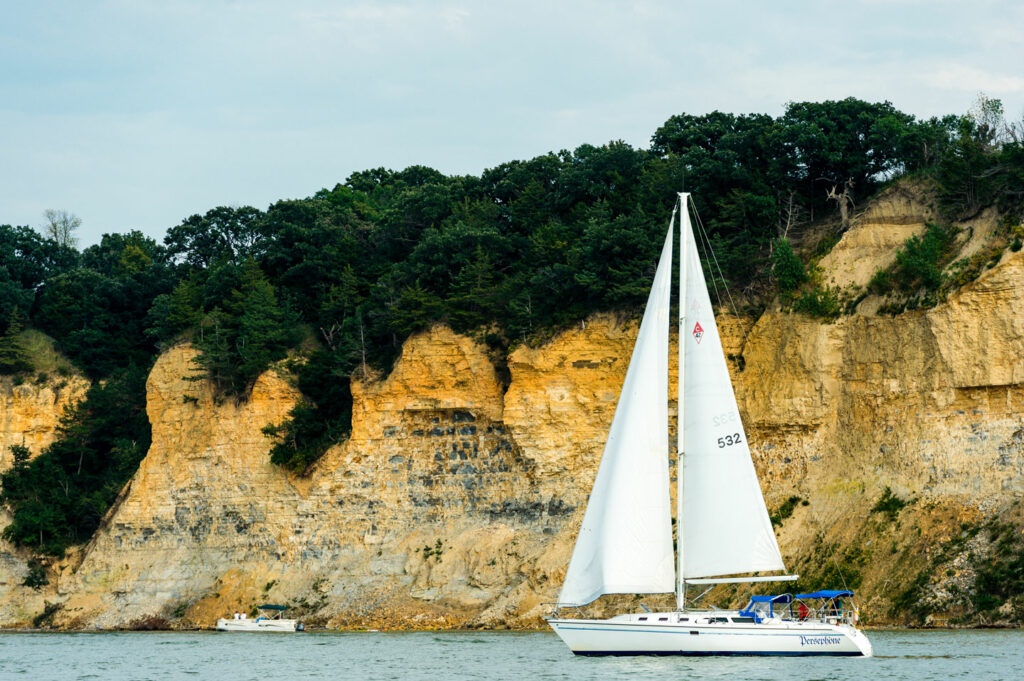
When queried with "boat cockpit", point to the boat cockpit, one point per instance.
{"points": [[829, 606]]}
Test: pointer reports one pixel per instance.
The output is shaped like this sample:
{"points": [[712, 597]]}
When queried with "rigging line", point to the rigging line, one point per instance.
{"points": [[832, 554], [828, 545], [702, 245], [725, 282], [706, 242], [700, 238]]}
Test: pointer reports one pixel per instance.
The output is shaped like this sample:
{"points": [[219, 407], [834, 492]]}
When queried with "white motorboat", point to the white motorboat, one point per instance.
{"points": [[625, 543], [270, 618]]}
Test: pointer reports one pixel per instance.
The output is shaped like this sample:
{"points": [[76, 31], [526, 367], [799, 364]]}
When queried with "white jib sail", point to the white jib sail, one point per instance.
{"points": [[625, 541], [726, 529]]}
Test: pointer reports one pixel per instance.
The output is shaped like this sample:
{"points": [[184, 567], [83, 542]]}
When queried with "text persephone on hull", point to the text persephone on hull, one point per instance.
{"points": [[625, 541]]}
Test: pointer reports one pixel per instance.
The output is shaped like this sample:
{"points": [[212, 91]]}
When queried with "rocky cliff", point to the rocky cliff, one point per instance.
{"points": [[889, 442], [29, 415]]}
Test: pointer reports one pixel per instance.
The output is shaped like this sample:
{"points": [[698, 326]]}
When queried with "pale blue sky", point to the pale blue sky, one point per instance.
{"points": [[137, 114]]}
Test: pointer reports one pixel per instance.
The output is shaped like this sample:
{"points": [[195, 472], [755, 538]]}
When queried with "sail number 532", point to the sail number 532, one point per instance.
{"points": [[729, 440]]}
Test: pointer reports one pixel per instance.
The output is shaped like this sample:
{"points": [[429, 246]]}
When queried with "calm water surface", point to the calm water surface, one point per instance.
{"points": [[980, 655]]}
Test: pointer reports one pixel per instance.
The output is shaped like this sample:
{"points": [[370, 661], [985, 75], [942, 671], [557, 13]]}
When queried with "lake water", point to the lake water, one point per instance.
{"points": [[976, 655]]}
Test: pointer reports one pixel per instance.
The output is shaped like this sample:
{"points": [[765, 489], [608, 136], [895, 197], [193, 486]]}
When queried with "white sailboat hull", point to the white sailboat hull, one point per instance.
{"points": [[619, 636]]}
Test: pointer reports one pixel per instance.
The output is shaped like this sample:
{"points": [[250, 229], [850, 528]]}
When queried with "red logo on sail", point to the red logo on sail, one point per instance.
{"points": [[698, 332]]}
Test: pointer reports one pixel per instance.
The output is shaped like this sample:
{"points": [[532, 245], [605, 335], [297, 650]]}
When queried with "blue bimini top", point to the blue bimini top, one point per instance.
{"points": [[825, 593]]}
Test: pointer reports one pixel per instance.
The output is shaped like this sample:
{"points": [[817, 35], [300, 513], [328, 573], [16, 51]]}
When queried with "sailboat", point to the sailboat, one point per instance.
{"points": [[724, 534]]}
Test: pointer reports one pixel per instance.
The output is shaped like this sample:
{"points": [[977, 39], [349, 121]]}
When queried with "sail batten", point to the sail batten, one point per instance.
{"points": [[625, 542]]}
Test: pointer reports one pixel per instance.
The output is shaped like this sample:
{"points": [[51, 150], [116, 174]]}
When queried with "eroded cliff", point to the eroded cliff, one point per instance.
{"points": [[29, 416], [456, 500], [431, 514]]}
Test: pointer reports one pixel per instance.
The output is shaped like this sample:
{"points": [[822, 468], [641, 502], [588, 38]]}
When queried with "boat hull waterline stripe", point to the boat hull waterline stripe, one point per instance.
{"points": [[691, 653]]}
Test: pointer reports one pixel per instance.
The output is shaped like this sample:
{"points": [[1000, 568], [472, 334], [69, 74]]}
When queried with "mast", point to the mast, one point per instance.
{"points": [[684, 238]]}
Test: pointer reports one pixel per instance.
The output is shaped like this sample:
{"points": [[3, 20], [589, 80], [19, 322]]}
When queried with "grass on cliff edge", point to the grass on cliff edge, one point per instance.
{"points": [[43, 354]]}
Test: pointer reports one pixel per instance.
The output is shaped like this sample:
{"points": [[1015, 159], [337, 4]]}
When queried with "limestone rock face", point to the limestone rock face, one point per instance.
{"points": [[928, 404], [29, 415], [431, 514]]}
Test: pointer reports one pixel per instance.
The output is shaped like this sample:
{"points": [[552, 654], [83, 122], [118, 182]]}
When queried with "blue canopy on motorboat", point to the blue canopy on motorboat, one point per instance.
{"points": [[825, 593], [267, 606]]}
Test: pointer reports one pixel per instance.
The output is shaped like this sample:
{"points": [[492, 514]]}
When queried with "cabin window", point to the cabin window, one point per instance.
{"points": [[719, 619], [663, 619], [748, 620], [643, 619], [684, 619]]}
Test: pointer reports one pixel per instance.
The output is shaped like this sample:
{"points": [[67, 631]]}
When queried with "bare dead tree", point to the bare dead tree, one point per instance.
{"points": [[330, 335], [990, 125], [1015, 130], [845, 201], [792, 215], [362, 343], [60, 226]]}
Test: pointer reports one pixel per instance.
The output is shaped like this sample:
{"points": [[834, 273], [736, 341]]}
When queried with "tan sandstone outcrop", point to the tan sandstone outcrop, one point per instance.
{"points": [[29, 415]]}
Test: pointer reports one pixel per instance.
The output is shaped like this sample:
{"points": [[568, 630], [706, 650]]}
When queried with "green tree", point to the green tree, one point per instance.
{"points": [[26, 260], [174, 313], [223, 234], [13, 358], [97, 312], [833, 142], [251, 331], [788, 269]]}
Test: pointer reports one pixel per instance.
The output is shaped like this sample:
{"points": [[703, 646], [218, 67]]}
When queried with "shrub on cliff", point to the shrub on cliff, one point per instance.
{"points": [[819, 301], [323, 418], [787, 268]]}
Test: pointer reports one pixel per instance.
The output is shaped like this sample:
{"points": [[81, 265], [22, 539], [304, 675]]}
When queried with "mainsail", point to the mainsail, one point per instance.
{"points": [[725, 528], [625, 541]]}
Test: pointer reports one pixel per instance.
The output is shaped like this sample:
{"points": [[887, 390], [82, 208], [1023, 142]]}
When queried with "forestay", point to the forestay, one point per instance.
{"points": [[625, 541], [725, 525]]}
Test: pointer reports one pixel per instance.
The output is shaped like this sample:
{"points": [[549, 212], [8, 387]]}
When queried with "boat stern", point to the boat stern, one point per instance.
{"points": [[860, 639]]}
